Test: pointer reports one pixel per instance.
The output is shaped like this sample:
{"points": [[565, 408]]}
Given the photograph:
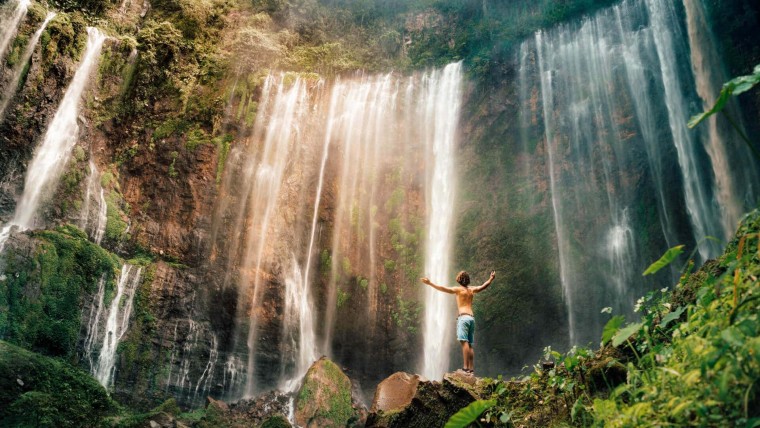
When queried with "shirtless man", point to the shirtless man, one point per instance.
{"points": [[465, 320]]}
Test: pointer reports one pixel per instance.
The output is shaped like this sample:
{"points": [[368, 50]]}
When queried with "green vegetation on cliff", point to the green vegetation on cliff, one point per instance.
{"points": [[38, 391], [42, 293]]}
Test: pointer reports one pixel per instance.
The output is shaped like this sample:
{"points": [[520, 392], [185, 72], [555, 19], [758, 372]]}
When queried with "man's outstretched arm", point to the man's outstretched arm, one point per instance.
{"points": [[437, 287], [485, 284]]}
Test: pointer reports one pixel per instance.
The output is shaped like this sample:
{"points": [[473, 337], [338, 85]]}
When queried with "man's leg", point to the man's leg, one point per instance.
{"points": [[465, 353], [471, 357]]}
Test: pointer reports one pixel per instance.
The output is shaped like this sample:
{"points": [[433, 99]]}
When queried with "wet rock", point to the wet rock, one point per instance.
{"points": [[324, 399], [405, 400]]}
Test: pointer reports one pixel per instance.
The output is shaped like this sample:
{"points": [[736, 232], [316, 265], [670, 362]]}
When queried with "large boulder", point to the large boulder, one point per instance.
{"points": [[406, 400], [324, 399]]}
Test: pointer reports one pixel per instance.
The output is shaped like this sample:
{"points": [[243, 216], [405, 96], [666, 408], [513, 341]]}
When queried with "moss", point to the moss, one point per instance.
{"points": [[42, 296], [276, 421], [116, 227], [41, 391], [326, 395], [342, 298]]}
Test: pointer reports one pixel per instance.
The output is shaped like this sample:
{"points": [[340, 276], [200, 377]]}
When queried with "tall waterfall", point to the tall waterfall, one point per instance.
{"points": [[615, 93], [441, 119], [326, 200], [53, 153], [18, 70], [10, 28]]}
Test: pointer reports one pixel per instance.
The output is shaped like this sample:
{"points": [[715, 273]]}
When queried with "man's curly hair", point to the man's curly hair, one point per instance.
{"points": [[463, 278]]}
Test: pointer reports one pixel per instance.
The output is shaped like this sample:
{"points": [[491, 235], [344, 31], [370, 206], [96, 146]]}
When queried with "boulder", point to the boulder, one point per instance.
{"points": [[405, 400], [324, 399]]}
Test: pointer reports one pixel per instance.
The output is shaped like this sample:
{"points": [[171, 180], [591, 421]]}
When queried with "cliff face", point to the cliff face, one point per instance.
{"points": [[168, 134]]}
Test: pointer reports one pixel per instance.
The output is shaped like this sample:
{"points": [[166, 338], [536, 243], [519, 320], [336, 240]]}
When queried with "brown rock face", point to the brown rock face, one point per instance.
{"points": [[406, 400], [395, 392]]}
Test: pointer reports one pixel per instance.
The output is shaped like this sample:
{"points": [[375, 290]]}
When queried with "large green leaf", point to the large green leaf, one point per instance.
{"points": [[612, 327], [665, 260], [735, 86], [469, 414], [672, 316], [624, 333]]}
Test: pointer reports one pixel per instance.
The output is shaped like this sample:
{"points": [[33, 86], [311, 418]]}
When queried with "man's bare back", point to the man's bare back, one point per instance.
{"points": [[465, 320]]}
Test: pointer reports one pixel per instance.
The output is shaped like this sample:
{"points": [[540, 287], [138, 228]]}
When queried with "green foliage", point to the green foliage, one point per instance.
{"points": [[342, 298], [326, 394], [94, 7], [625, 333], [736, 86], [41, 297], [665, 260], [701, 371], [406, 314], [172, 170], [611, 328], [464, 417], [223, 145], [38, 391], [276, 421], [116, 227]]}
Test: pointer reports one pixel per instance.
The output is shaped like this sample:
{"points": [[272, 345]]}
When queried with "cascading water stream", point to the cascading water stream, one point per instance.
{"points": [[9, 29], [612, 169], [441, 118], [18, 70], [287, 108], [117, 322], [53, 153], [97, 228]]}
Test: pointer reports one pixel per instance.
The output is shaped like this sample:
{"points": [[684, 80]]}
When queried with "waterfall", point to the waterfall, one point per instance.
{"points": [[322, 205], [9, 29], [616, 91], [96, 228], [441, 119], [277, 137], [52, 154], [361, 120], [733, 168], [117, 322], [18, 70], [93, 323]]}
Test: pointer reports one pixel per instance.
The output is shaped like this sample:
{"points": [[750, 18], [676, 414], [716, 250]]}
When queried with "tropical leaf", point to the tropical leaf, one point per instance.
{"points": [[672, 316], [665, 260], [624, 333], [469, 414], [735, 86], [612, 327]]}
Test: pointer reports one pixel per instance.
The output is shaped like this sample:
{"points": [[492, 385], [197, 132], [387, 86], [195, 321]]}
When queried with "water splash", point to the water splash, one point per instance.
{"points": [[53, 153], [18, 70]]}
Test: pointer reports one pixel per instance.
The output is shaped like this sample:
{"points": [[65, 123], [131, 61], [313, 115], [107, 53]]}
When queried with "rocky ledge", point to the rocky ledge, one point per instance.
{"points": [[410, 400]]}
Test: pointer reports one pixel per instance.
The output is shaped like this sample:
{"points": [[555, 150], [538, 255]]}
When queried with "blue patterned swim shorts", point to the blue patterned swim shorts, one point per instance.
{"points": [[466, 329]]}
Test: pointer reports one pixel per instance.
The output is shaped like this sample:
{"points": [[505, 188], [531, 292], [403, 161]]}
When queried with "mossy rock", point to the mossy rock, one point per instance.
{"points": [[276, 421], [324, 399], [41, 391]]}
